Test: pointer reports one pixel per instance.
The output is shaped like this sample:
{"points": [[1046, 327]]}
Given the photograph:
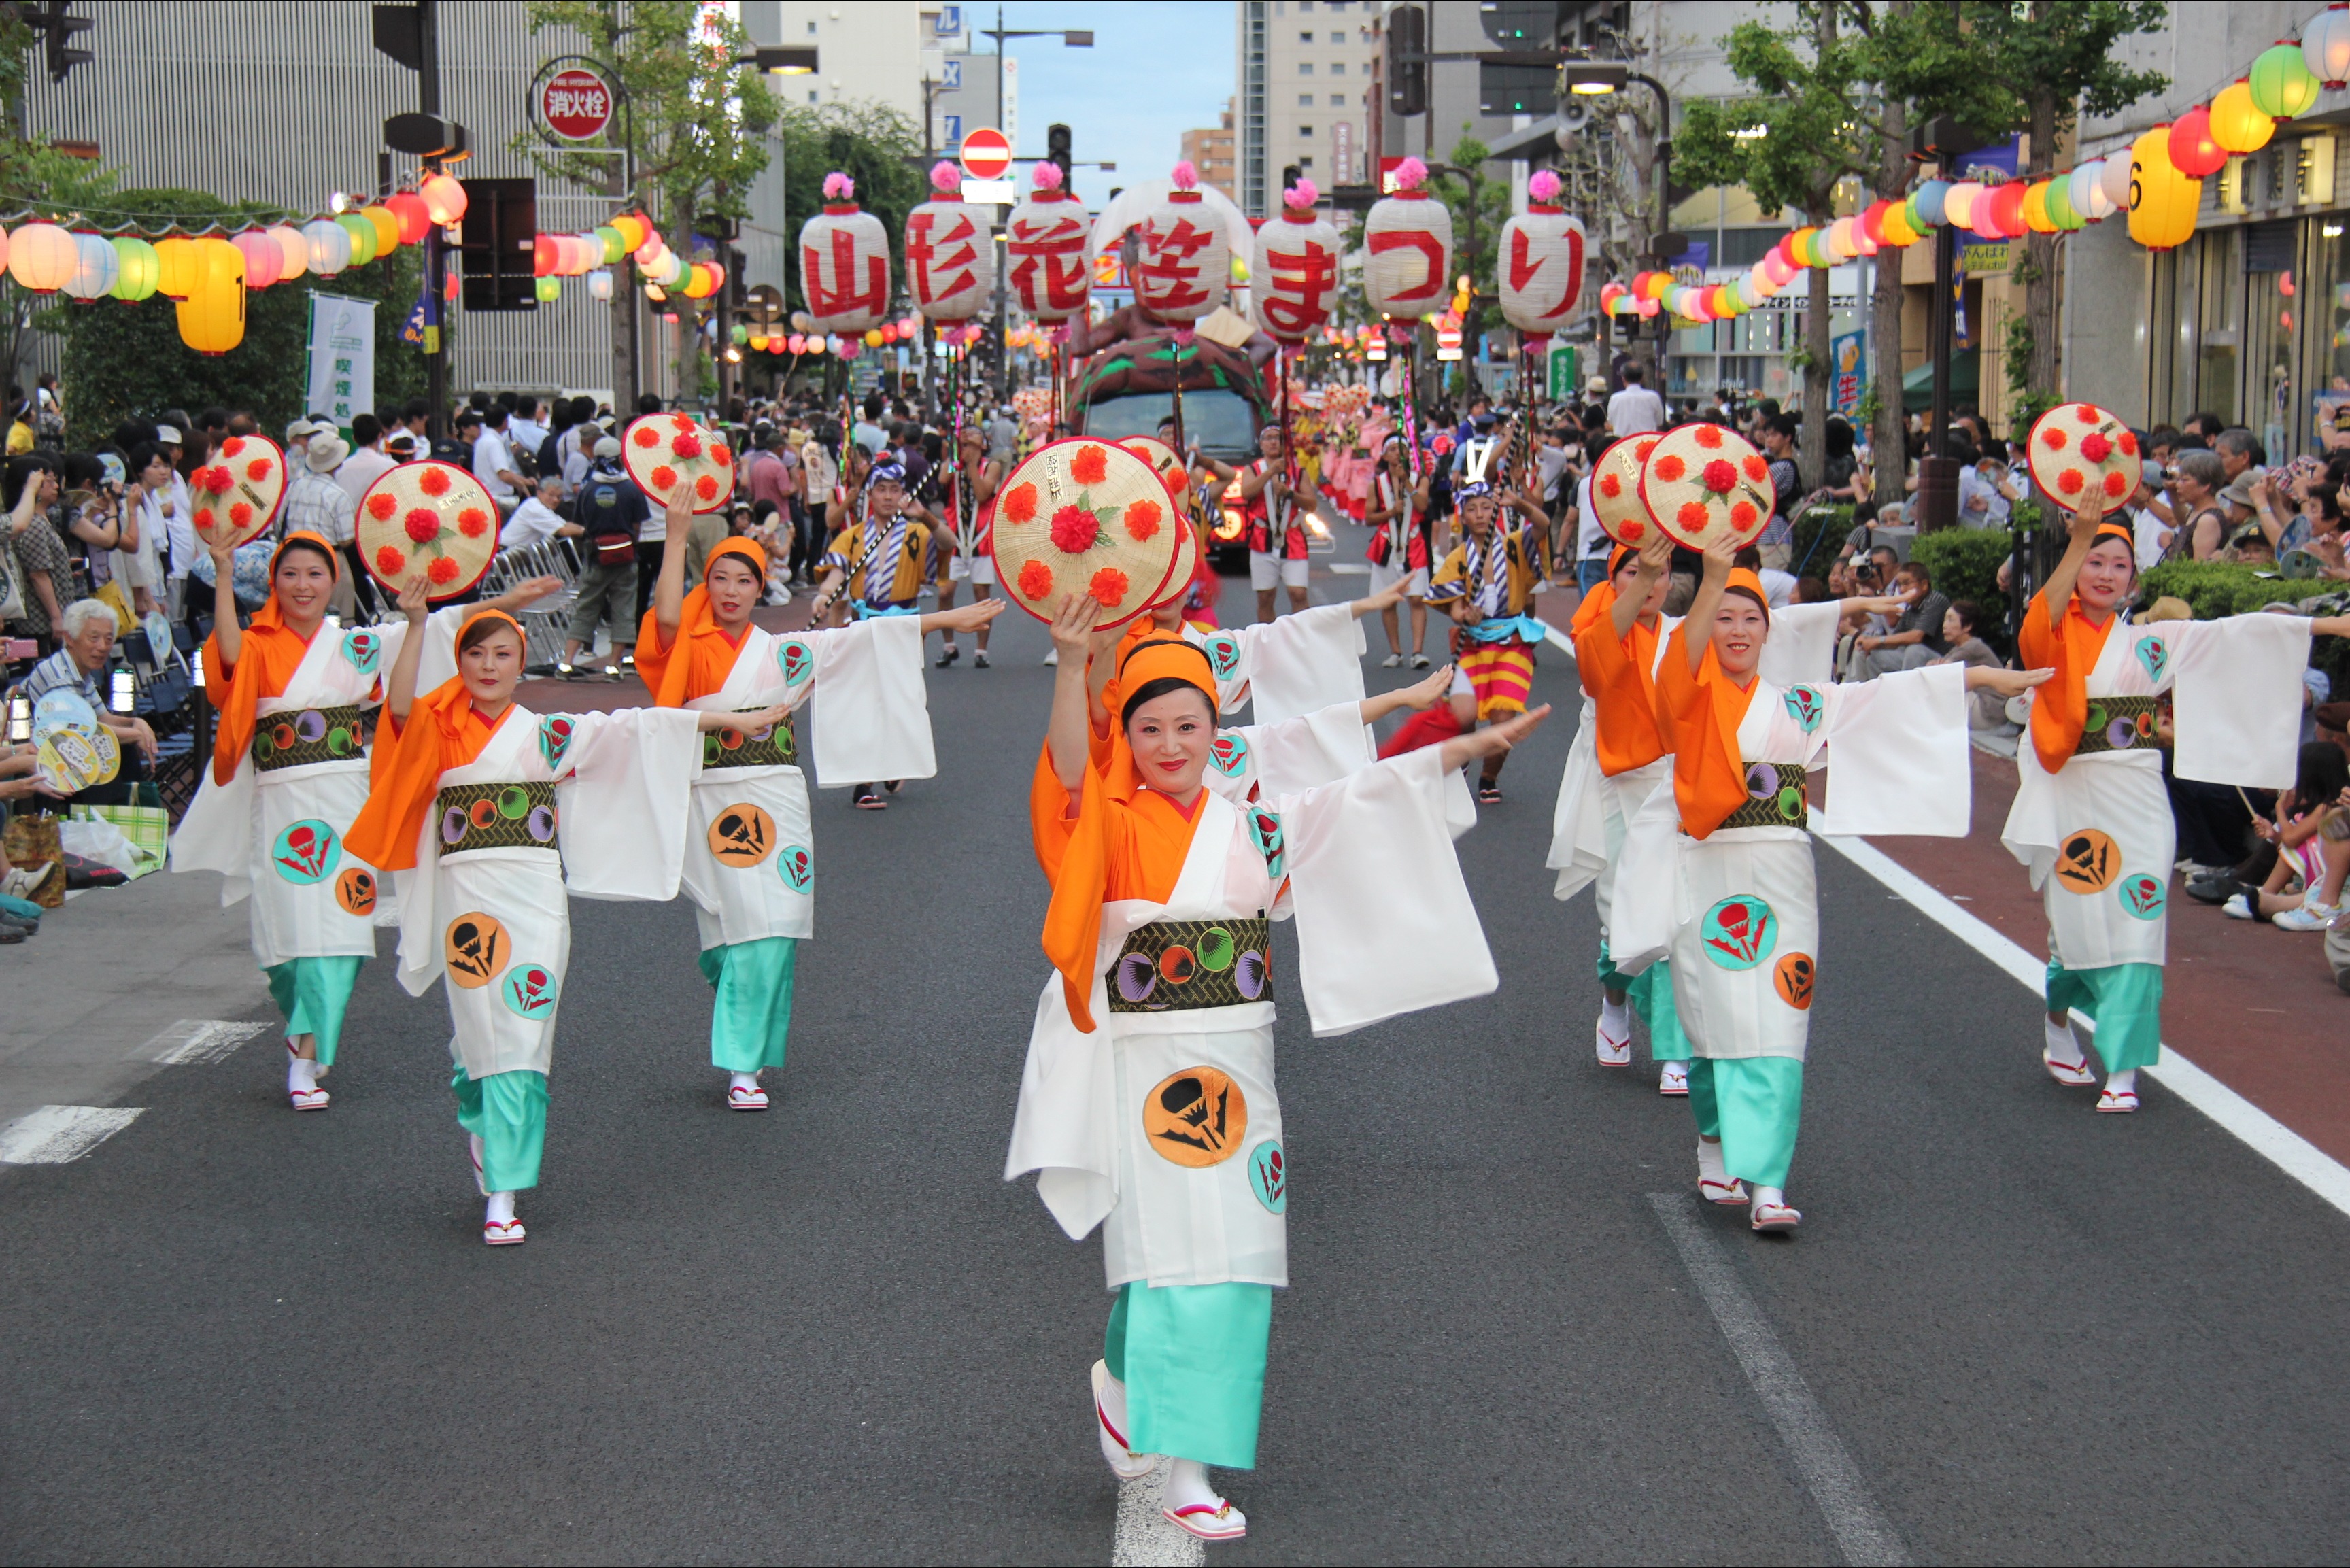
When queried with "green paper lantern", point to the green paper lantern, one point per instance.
{"points": [[363, 238], [2283, 87], [548, 289], [141, 271], [616, 244], [2060, 206]]}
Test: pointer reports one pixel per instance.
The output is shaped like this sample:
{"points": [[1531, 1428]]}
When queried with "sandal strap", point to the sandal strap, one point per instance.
{"points": [[1116, 1436], [1218, 1508]]}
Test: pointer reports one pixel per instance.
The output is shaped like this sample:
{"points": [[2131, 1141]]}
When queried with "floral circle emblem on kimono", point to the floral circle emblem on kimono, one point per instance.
{"points": [[2143, 896], [554, 739], [798, 867], [355, 891], [474, 950], [2153, 657], [363, 649], [529, 991], [1224, 651], [1196, 1117], [306, 852], [1794, 977], [1806, 706], [1739, 933], [1229, 753], [2087, 862], [1764, 783], [1269, 1176], [796, 662], [1264, 828], [743, 836]]}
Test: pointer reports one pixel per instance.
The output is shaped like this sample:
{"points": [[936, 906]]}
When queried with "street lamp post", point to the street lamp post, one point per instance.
{"points": [[1074, 38], [1597, 79]]}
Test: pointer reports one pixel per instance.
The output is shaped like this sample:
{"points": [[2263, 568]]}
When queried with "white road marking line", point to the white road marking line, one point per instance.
{"points": [[1351, 568], [1143, 1538], [191, 1041], [2262, 1133], [1862, 1532], [55, 1134]]}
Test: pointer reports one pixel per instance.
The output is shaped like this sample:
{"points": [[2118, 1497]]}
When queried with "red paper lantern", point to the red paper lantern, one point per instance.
{"points": [[2194, 152], [2005, 209]]}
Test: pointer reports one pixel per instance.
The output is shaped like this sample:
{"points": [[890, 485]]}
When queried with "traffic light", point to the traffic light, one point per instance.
{"points": [[1056, 151], [48, 18], [1406, 60], [1290, 175]]}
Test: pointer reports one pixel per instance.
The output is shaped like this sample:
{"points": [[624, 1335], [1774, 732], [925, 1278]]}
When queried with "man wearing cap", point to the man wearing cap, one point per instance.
{"points": [[610, 511], [297, 434]]}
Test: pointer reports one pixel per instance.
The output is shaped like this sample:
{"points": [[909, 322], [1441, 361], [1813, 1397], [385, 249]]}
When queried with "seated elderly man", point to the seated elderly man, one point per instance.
{"points": [[88, 632]]}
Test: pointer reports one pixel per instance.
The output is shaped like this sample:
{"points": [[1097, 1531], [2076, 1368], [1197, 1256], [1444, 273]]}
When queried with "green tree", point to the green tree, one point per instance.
{"points": [[1480, 205], [693, 127], [33, 172], [871, 143]]}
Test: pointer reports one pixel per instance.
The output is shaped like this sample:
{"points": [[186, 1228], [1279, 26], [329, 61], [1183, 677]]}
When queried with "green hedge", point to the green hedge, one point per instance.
{"points": [[1818, 534], [2215, 589], [1965, 565]]}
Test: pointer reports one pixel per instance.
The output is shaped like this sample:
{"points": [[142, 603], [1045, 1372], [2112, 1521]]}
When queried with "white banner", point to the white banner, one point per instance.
{"points": [[342, 357]]}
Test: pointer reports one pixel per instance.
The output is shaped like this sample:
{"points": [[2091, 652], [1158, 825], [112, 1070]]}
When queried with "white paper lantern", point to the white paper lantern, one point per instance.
{"points": [[599, 284], [330, 246], [2116, 182], [1044, 250], [844, 263], [1407, 243], [1183, 263], [950, 256], [2325, 45], [2084, 189], [1540, 263], [96, 265], [1294, 268]]}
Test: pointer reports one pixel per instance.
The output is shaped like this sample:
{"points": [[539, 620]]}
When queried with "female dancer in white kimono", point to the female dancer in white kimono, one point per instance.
{"points": [[2092, 817], [289, 771], [489, 816], [1718, 871], [750, 865], [1164, 1127]]}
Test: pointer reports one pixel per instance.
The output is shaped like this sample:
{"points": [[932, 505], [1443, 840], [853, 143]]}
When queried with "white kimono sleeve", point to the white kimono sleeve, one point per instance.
{"points": [[2237, 699], [216, 834], [1303, 662], [871, 718], [438, 662], [1068, 1102], [1644, 905], [1299, 754], [621, 813], [1801, 648], [1898, 755], [1385, 923], [1578, 824]]}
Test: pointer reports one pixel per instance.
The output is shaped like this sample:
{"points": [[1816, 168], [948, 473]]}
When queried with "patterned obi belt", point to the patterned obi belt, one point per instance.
{"points": [[1177, 964], [1774, 798], [2118, 724], [294, 740], [733, 748], [495, 816]]}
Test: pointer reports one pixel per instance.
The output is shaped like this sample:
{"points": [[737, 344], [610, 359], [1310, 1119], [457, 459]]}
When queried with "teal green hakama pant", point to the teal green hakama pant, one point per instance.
{"points": [[507, 1111], [2123, 999], [314, 993], [750, 1017], [1753, 1105], [1651, 992], [1192, 1360]]}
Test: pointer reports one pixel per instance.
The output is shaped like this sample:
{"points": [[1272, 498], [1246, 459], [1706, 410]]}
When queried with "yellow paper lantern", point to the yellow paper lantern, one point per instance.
{"points": [[2162, 202], [873, 338], [2237, 123], [386, 228], [175, 262], [2036, 209], [212, 318], [1898, 231]]}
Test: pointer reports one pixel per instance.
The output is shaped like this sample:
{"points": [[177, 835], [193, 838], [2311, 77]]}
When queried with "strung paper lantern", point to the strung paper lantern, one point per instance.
{"points": [[844, 262], [293, 251], [1084, 518], [2078, 450], [1872, 219], [386, 223], [2058, 203], [2326, 46], [444, 198], [429, 519], [1898, 231], [1959, 202], [609, 238], [1930, 198], [236, 499], [135, 268], [873, 339], [1702, 483], [2036, 208], [2237, 124], [2192, 152], [2162, 202], [2283, 87], [547, 290], [950, 256], [42, 257], [263, 259], [94, 267], [329, 245], [670, 455], [599, 284], [1295, 265], [2084, 188], [2006, 211], [1407, 237], [1183, 262], [362, 234], [212, 318], [408, 209]]}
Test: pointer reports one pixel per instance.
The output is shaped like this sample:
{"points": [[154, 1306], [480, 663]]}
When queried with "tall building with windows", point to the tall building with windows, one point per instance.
{"points": [[1304, 67], [1210, 151]]}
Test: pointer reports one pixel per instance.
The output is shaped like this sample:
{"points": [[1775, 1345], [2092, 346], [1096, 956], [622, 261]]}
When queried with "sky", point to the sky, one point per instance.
{"points": [[1155, 71]]}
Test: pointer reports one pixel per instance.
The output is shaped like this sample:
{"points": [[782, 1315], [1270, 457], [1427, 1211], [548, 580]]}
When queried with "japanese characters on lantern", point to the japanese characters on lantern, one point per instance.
{"points": [[1408, 245], [1044, 250], [950, 260], [1540, 263], [1183, 265], [1294, 270], [845, 262]]}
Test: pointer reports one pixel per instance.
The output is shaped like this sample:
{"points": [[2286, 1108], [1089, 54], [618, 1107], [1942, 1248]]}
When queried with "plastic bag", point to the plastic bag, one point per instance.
{"points": [[103, 842]]}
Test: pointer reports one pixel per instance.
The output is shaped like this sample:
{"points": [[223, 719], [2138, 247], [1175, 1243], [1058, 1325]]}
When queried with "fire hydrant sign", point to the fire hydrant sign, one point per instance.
{"points": [[574, 104]]}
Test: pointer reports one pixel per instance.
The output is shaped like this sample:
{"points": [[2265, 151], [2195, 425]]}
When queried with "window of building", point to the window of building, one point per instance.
{"points": [[811, 95], [1337, 100], [811, 26], [1337, 34], [1305, 130], [1305, 68], [1306, 161], [1305, 100], [1338, 67], [1305, 36]]}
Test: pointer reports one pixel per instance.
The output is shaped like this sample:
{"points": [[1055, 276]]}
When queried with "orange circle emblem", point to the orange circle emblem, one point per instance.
{"points": [[475, 949], [355, 891], [1794, 977], [2089, 861], [743, 834], [1196, 1117]]}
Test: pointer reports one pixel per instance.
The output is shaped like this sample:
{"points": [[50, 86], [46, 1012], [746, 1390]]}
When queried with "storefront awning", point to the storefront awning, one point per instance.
{"points": [[1917, 386]]}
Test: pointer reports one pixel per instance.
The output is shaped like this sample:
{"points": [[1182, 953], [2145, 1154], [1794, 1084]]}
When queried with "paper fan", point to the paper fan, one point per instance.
{"points": [[2075, 446], [1083, 517], [73, 750], [1162, 458], [1186, 567], [1704, 483], [1616, 491], [237, 498], [429, 516], [665, 452]]}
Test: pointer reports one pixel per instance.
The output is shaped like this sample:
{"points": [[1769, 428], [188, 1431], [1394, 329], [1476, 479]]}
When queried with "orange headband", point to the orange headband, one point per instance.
{"points": [[317, 541], [749, 549], [1746, 582], [1167, 658], [487, 613]]}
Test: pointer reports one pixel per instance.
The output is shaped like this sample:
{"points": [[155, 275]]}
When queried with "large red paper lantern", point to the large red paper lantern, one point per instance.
{"points": [[1408, 247], [1294, 268], [845, 262], [1540, 268], [949, 259]]}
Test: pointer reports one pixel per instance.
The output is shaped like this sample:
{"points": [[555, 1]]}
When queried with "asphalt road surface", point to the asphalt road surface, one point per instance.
{"points": [[2008, 1330]]}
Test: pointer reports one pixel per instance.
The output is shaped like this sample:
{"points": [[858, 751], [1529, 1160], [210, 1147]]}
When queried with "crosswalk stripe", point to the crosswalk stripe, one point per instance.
{"points": [[55, 1134]]}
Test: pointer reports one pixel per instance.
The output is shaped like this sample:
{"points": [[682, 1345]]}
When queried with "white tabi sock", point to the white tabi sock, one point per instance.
{"points": [[2063, 1049], [745, 1081], [1770, 1198], [1187, 1484], [301, 1074], [1708, 1163], [500, 1211], [2122, 1082], [1616, 1017]]}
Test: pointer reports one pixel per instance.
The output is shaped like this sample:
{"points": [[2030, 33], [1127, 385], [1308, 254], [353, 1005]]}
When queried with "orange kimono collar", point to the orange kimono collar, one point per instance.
{"points": [[1700, 714], [270, 652], [669, 670]]}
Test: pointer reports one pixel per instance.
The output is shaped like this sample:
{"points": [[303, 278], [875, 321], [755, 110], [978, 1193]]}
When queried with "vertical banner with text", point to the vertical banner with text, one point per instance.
{"points": [[342, 357]]}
